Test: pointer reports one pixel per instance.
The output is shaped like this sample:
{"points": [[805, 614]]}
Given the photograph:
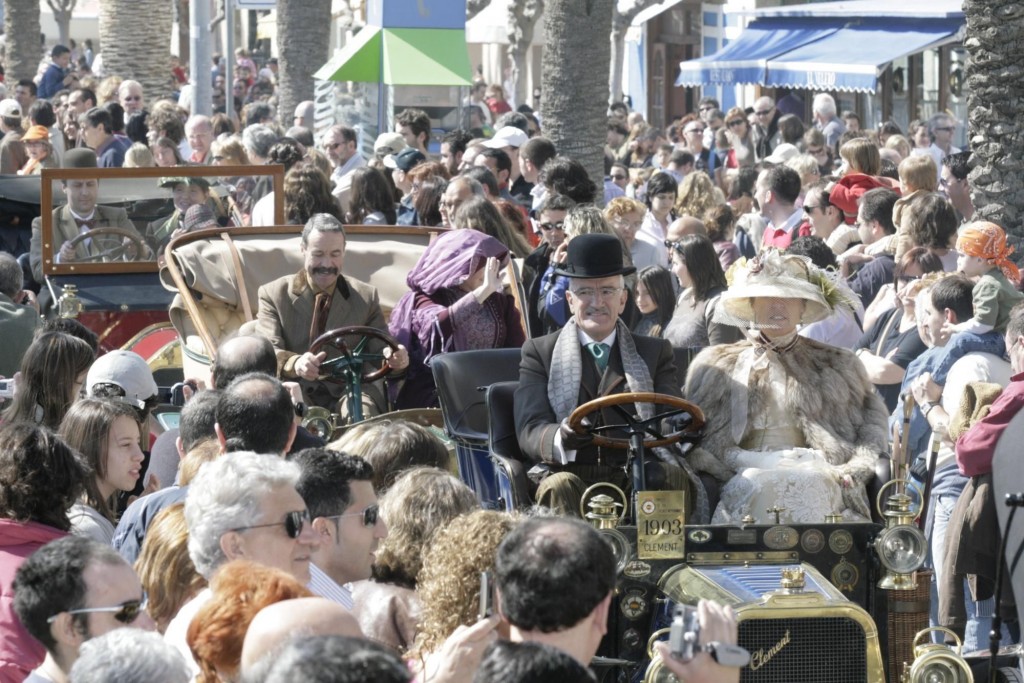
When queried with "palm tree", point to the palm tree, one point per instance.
{"points": [[303, 41], [996, 137], [135, 41], [574, 88], [21, 27]]}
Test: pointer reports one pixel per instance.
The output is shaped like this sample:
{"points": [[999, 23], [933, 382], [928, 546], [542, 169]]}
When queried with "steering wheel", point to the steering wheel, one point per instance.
{"points": [[654, 439], [352, 356], [113, 252]]}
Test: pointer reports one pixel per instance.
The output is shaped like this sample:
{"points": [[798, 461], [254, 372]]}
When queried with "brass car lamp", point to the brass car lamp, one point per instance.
{"points": [[901, 546], [936, 662], [319, 422], [69, 305], [603, 513]]}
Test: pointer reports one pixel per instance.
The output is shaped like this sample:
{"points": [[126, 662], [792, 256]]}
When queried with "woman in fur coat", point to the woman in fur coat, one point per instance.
{"points": [[791, 422]]}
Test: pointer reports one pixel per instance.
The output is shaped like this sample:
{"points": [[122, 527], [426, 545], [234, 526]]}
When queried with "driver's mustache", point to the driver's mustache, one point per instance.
{"points": [[325, 271]]}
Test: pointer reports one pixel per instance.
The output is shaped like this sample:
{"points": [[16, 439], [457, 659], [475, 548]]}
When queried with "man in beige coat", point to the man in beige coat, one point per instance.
{"points": [[287, 310]]}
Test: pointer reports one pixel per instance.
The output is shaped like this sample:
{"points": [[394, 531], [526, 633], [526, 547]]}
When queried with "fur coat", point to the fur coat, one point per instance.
{"points": [[828, 395]]}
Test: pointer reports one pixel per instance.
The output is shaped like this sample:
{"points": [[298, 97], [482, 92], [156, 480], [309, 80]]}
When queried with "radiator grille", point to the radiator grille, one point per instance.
{"points": [[819, 650]]}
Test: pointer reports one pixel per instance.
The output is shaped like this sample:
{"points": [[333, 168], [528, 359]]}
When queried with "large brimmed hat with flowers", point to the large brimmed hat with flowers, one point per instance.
{"points": [[776, 275]]}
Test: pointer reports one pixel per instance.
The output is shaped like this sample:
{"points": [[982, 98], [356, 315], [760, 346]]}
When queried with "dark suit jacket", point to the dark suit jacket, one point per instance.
{"points": [[65, 228], [534, 266], [536, 425], [286, 313]]}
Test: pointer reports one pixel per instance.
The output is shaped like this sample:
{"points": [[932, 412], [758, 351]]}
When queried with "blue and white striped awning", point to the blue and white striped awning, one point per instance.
{"points": [[829, 52]]}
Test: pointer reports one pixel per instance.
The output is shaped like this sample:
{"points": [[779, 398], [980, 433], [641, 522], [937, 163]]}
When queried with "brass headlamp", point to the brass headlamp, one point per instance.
{"points": [[936, 661], [603, 513], [69, 305], [901, 546], [319, 422]]}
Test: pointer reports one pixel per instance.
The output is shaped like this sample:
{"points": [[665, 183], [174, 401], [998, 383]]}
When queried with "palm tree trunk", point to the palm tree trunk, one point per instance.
{"points": [[522, 16], [135, 41], [303, 40], [996, 53], [575, 80], [21, 26]]}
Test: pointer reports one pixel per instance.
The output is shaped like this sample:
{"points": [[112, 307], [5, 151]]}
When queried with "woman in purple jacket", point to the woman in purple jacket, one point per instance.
{"points": [[456, 303]]}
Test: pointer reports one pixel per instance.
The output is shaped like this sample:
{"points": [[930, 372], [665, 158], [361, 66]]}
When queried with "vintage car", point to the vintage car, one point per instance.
{"points": [[831, 601], [109, 278]]}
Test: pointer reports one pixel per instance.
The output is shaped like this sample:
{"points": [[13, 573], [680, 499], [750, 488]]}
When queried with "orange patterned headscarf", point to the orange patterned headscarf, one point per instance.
{"points": [[988, 241]]}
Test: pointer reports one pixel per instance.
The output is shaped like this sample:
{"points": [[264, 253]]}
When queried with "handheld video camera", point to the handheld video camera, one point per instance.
{"points": [[684, 641]]}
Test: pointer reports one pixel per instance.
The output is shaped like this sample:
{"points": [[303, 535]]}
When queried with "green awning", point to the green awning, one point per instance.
{"points": [[402, 56]]}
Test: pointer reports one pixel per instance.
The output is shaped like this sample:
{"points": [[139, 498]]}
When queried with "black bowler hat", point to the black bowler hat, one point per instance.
{"points": [[592, 256]]}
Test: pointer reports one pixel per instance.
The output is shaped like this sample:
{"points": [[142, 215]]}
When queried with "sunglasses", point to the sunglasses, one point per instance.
{"points": [[764, 113], [618, 177], [370, 515], [293, 523], [126, 612], [944, 128], [552, 226], [694, 130], [736, 122]]}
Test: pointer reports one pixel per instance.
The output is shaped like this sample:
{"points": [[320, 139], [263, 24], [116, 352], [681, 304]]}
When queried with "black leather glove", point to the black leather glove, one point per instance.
{"points": [[571, 440], [678, 423]]}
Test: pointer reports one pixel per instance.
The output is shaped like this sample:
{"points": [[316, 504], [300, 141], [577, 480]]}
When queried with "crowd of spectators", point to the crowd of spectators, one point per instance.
{"points": [[261, 553]]}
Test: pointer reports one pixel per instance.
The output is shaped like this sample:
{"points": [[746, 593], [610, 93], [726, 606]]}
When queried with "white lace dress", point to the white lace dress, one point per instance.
{"points": [[774, 468]]}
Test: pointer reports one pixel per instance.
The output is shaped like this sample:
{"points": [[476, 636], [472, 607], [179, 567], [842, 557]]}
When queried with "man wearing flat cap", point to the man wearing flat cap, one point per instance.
{"points": [[79, 216], [186, 192], [594, 355]]}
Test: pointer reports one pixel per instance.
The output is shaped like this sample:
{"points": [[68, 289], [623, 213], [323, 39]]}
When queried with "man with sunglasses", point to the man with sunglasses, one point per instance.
{"points": [[767, 135], [340, 143], [941, 128], [244, 505], [551, 223], [693, 142], [71, 590], [338, 490]]}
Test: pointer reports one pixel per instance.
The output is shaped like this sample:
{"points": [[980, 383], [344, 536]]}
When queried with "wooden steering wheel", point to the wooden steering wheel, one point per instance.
{"points": [[353, 357], [678, 406], [114, 252]]}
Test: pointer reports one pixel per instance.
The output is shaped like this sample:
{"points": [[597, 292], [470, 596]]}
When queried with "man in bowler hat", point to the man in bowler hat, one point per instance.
{"points": [[594, 355]]}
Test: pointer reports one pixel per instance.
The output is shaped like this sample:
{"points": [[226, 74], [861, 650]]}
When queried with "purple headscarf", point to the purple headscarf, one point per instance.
{"points": [[452, 258], [447, 262]]}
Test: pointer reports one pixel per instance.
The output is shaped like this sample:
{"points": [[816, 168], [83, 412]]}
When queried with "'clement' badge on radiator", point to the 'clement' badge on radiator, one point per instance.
{"points": [[660, 525], [760, 657]]}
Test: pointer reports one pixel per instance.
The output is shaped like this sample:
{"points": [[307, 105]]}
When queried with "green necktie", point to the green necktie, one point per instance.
{"points": [[600, 353]]}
